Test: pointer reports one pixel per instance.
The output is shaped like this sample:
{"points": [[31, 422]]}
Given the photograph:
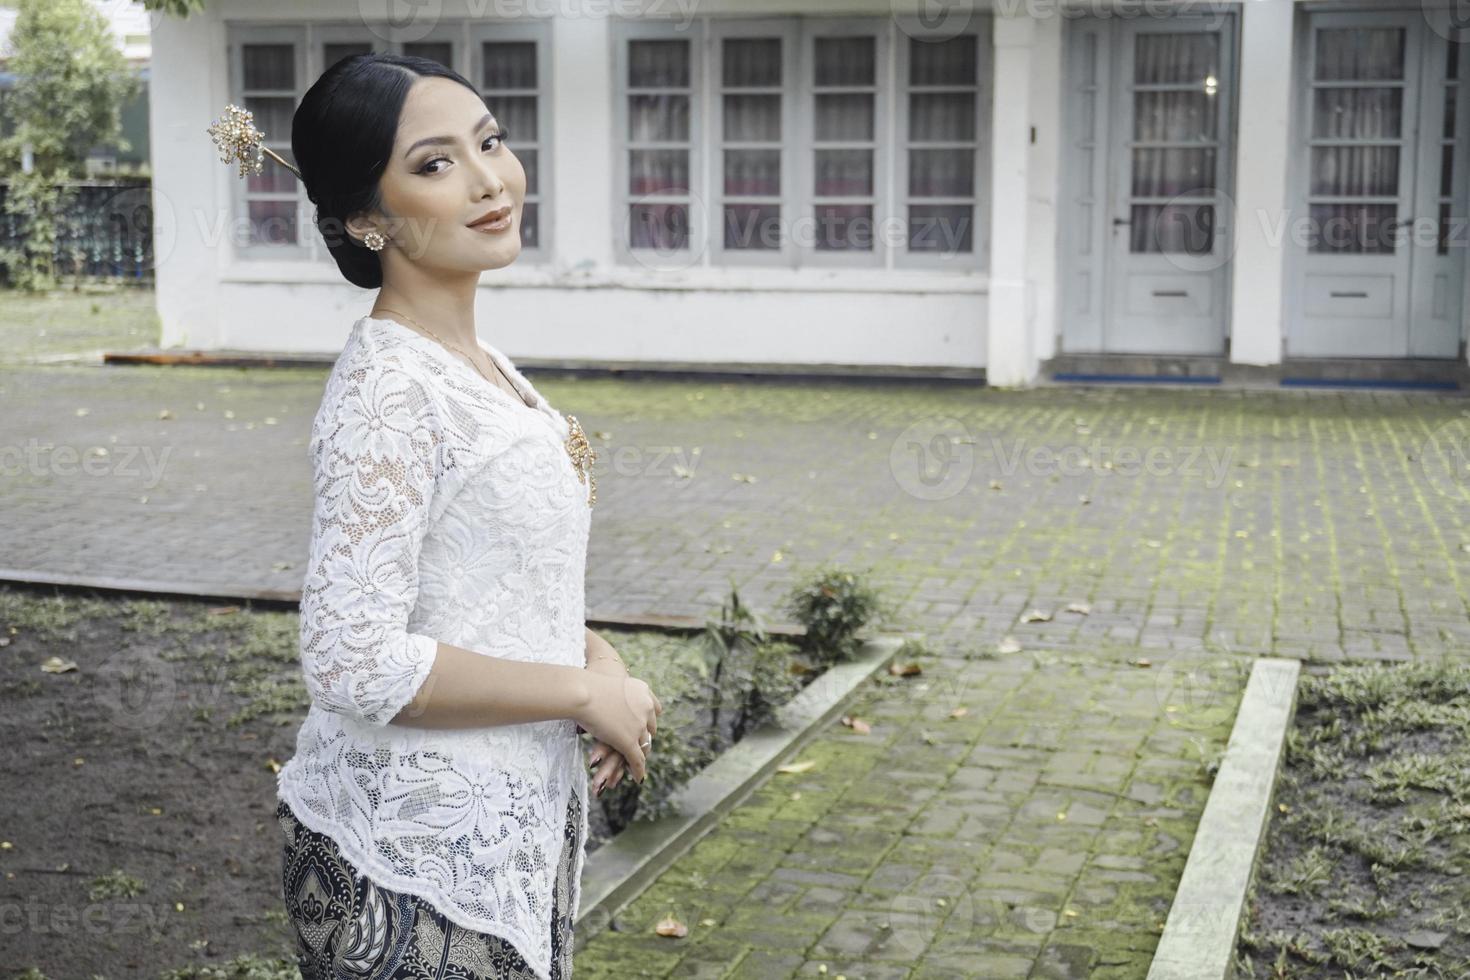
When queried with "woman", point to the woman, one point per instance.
{"points": [[435, 808]]}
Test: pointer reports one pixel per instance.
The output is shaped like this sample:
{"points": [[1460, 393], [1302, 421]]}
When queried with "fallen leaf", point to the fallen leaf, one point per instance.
{"points": [[797, 767], [273, 765], [165, 414], [56, 665], [671, 926], [857, 725], [1009, 644], [1036, 616], [1143, 662], [707, 922], [904, 670], [1079, 607], [222, 610], [995, 485], [959, 712]]}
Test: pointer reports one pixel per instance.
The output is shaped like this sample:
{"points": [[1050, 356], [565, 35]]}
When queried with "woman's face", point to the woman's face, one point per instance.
{"points": [[432, 192]]}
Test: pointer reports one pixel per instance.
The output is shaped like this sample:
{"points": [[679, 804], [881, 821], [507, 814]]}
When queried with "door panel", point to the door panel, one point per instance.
{"points": [[1375, 104], [1153, 162]]}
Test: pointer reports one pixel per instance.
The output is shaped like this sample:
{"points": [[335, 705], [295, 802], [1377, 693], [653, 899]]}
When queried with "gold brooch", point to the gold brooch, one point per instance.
{"points": [[583, 456]]}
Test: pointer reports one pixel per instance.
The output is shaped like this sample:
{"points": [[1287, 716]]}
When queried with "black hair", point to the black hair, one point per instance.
{"points": [[342, 138]]}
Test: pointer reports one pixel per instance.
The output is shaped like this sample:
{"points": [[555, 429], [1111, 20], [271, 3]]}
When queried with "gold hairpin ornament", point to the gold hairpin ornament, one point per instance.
{"points": [[237, 139]]}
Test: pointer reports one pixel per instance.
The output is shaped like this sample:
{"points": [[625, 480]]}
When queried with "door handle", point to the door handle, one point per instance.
{"points": [[1122, 221]]}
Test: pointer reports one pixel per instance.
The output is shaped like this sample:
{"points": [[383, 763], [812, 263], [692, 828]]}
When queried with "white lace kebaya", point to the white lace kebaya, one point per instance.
{"points": [[446, 510]]}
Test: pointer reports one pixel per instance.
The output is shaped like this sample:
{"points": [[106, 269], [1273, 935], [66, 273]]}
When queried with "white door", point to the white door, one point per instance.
{"points": [[1378, 178], [1146, 230]]}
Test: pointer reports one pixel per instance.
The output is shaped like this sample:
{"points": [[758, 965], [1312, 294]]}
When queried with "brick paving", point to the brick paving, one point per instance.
{"points": [[1039, 833]]}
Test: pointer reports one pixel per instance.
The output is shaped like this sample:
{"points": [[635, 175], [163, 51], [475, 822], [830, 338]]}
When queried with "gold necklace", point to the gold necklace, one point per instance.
{"points": [[576, 444]]}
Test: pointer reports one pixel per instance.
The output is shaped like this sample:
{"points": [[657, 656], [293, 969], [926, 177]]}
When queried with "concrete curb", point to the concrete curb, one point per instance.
{"points": [[619, 870], [1199, 937], [185, 590]]}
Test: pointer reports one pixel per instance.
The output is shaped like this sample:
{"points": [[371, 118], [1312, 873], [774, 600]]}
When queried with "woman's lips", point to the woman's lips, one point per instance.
{"points": [[499, 224]]}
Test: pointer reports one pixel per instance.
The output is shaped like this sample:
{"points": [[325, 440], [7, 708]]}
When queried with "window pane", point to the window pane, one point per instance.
{"points": [[752, 226], [1353, 171], [440, 51], [333, 53], [658, 118], [273, 178], [658, 64], [844, 117], [948, 62], [658, 171], [1353, 229], [271, 66], [664, 226], [1176, 58], [1173, 228], [530, 162], [846, 61], [1360, 53], [844, 227], [272, 222], [530, 224], [941, 173], [516, 113], [753, 118], [753, 173], [942, 116], [844, 173], [1182, 117], [941, 228], [1358, 113], [508, 64], [751, 61], [1164, 173], [272, 116]]}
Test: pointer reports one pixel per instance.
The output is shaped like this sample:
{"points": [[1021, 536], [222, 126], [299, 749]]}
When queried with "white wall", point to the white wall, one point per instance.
{"points": [[581, 303]]}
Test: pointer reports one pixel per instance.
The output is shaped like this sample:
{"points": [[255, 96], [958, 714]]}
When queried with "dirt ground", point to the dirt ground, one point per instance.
{"points": [[1364, 871], [137, 827]]}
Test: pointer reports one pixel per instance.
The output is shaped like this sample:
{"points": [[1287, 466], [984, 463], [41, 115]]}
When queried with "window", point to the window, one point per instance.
{"points": [[268, 73], [510, 76], [271, 68], [831, 143]]}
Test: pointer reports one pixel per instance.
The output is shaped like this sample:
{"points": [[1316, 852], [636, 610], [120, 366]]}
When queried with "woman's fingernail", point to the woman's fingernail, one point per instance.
{"points": [[595, 760], [599, 788]]}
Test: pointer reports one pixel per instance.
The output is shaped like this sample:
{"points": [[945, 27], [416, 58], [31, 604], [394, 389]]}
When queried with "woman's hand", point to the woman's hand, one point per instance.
{"points": [[612, 764], [623, 712]]}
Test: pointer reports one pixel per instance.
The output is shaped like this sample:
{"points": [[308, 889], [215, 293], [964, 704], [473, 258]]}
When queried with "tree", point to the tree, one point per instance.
{"points": [[71, 85]]}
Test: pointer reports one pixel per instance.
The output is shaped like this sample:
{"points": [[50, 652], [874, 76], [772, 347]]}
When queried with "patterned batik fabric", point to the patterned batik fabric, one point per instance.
{"points": [[346, 927]]}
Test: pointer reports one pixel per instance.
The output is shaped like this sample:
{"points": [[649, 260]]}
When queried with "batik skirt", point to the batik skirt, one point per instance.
{"points": [[348, 928]]}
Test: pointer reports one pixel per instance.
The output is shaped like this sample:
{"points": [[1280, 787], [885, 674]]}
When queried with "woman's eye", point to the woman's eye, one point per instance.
{"points": [[499, 137]]}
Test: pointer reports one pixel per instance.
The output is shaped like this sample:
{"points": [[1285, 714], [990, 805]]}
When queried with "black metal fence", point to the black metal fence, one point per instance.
{"points": [[105, 232]]}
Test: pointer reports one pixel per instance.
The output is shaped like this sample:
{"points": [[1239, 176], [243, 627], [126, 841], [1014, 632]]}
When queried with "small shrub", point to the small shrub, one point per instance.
{"points": [[833, 605]]}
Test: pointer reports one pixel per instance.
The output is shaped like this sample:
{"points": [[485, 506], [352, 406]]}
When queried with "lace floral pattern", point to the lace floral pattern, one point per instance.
{"points": [[444, 510]]}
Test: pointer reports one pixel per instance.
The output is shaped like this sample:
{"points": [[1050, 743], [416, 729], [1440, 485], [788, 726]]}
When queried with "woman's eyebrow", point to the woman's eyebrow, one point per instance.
{"points": [[449, 140]]}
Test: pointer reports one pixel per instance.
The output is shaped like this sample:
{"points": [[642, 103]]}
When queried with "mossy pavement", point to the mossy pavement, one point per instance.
{"points": [[1092, 568]]}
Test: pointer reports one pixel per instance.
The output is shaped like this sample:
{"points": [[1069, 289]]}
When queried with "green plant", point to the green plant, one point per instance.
{"points": [[833, 605], [71, 85]]}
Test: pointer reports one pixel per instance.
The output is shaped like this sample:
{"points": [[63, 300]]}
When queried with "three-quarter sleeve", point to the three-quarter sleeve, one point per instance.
{"points": [[375, 461]]}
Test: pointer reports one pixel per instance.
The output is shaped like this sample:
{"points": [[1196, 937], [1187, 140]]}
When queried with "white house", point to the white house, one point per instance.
{"points": [[848, 182]]}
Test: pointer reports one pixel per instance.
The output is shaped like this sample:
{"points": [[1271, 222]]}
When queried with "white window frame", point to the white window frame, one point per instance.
{"points": [[978, 258], [809, 255], [697, 34], [798, 251], [305, 247], [786, 30], [309, 40], [536, 32]]}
